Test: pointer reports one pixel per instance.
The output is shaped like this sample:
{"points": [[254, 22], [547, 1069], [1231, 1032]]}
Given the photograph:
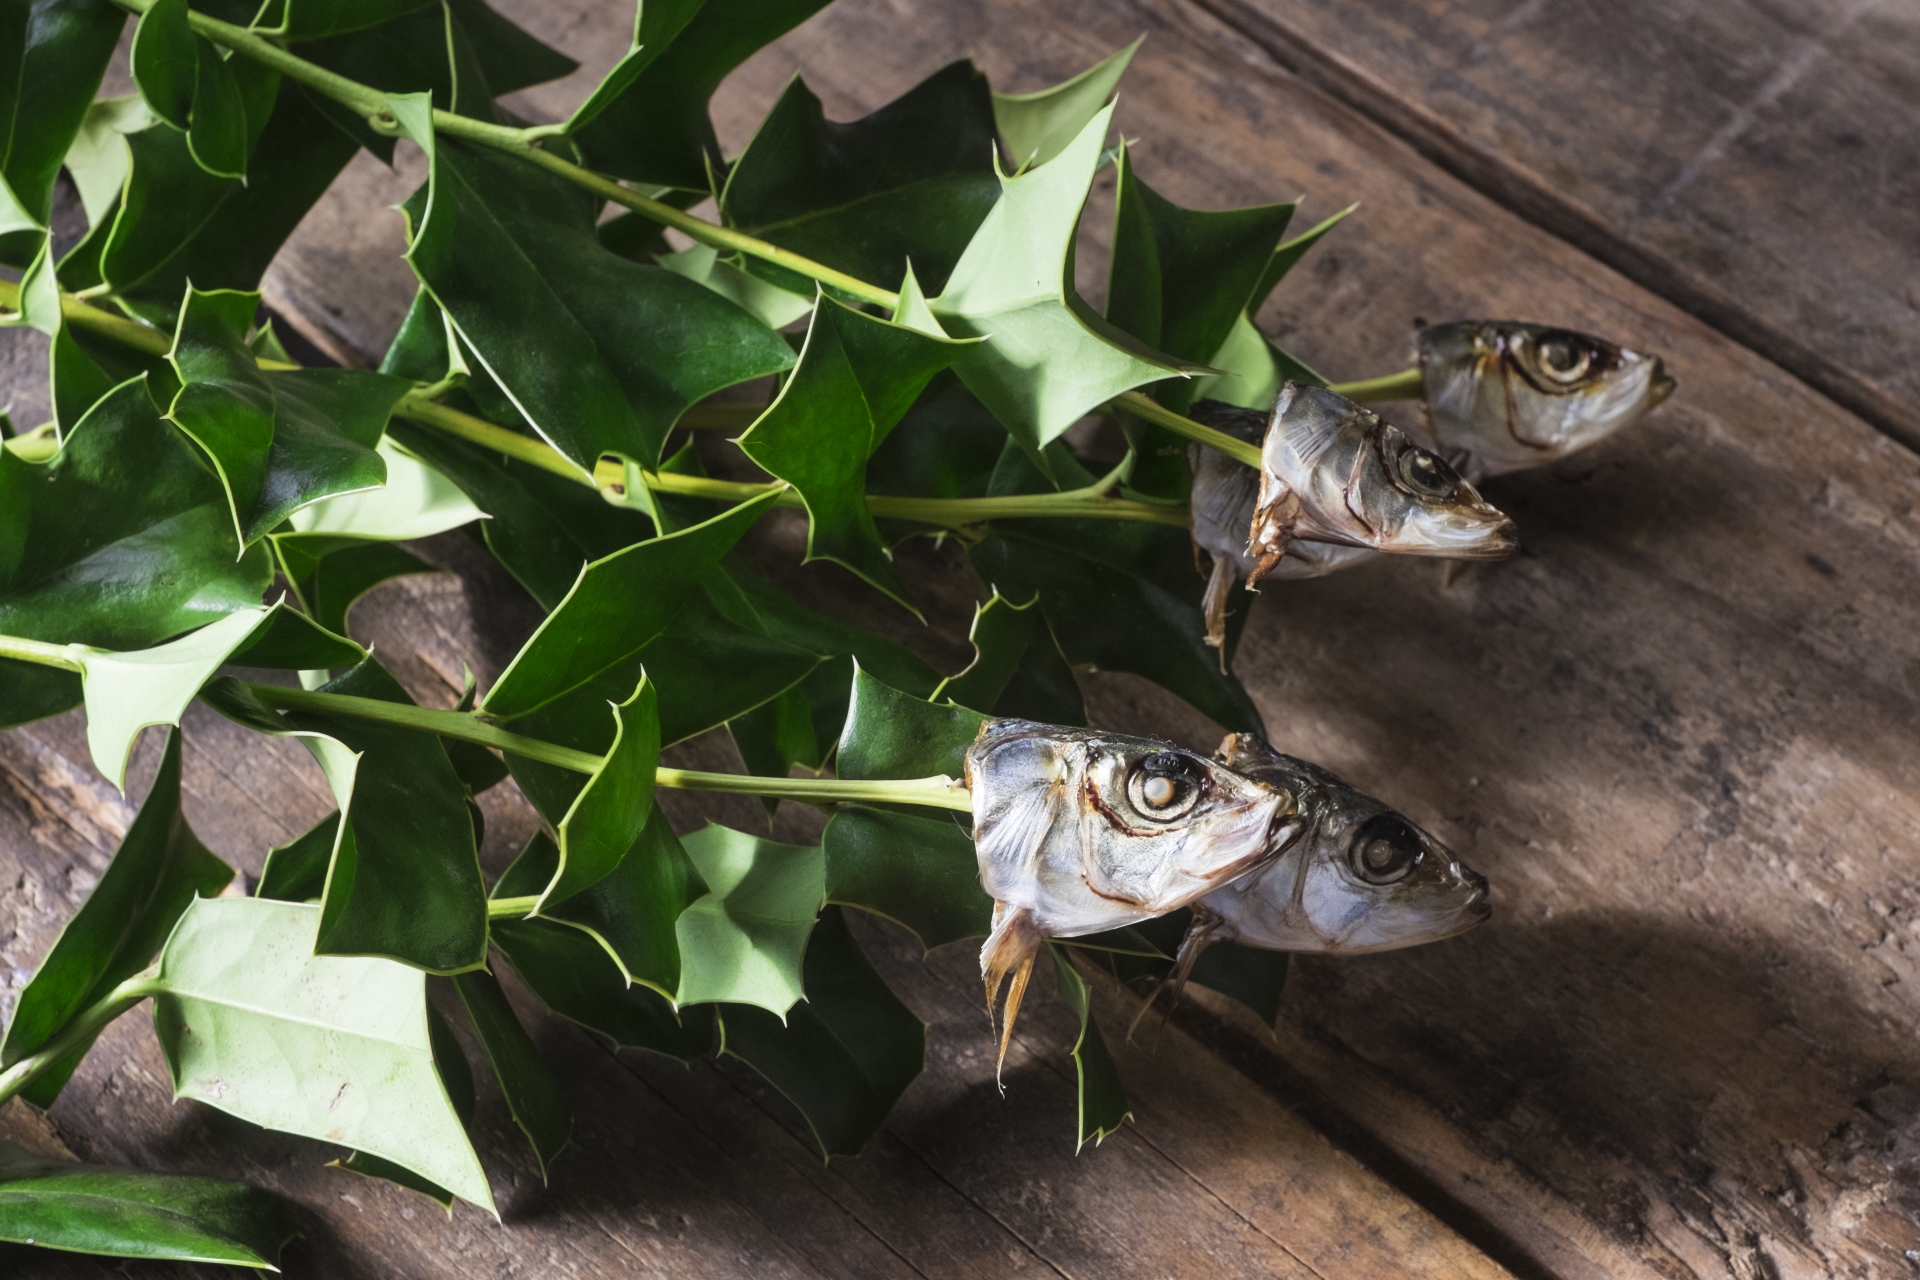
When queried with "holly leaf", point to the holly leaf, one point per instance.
{"points": [[913, 180], [920, 873], [891, 734], [1017, 669], [857, 376], [1039, 126], [55, 53], [1117, 595], [534, 1097], [618, 605], [330, 585], [241, 995], [742, 941], [629, 914], [416, 501], [128, 1213], [456, 1073], [1179, 280], [607, 815], [1047, 358], [772, 305], [1254, 977], [578, 980], [1102, 1097], [648, 120], [600, 353], [156, 872], [282, 439], [313, 19], [843, 1057], [120, 540], [1253, 366]]}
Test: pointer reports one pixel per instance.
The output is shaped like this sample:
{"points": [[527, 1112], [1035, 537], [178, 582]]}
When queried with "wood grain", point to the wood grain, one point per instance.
{"points": [[1677, 733]]}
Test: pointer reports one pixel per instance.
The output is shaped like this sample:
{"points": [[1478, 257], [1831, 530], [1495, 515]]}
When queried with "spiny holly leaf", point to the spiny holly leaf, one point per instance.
{"points": [[127, 1213], [456, 1073], [912, 180], [1047, 358], [534, 1097], [648, 122], [857, 375], [1039, 126], [1118, 595], [1017, 669], [891, 734], [920, 873], [616, 607], [127, 692], [772, 305], [312, 19], [742, 941], [578, 980], [846, 1055], [607, 816], [601, 354], [158, 869], [242, 995], [1179, 280], [292, 641], [1253, 366], [121, 540], [280, 440], [1103, 1099], [54, 54], [165, 61], [945, 447], [630, 913], [328, 586]]}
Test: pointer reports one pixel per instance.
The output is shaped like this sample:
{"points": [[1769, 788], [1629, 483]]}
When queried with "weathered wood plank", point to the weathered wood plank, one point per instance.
{"points": [[1751, 162]]}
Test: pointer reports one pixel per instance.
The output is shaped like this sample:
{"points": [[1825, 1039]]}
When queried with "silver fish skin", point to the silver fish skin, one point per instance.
{"points": [[1358, 878], [1079, 831], [1503, 395], [1332, 473]]}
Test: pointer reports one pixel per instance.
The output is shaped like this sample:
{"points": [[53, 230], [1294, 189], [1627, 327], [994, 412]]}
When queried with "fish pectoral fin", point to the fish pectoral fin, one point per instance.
{"points": [[1008, 952], [1214, 605], [1198, 938]]}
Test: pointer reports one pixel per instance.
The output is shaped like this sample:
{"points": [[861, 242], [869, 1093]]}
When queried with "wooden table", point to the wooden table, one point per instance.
{"points": [[1679, 732]]}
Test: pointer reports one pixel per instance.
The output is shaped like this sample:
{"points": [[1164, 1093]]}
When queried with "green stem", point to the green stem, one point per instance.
{"points": [[84, 1027], [41, 653], [940, 792], [512, 908], [1143, 407], [1408, 384]]}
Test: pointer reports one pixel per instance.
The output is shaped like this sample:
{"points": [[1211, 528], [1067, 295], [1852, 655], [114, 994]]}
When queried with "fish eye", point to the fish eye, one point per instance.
{"points": [[1385, 848], [1164, 787], [1427, 474], [1564, 357]]}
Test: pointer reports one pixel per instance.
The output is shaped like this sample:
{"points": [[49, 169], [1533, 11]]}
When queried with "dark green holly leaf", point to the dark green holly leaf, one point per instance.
{"points": [[945, 447], [164, 61], [332, 584], [1039, 126], [219, 139], [911, 181], [600, 353], [1103, 1099], [405, 880], [607, 815], [479, 768], [241, 995], [857, 376], [157, 870], [297, 871], [77, 380], [1017, 669], [920, 873], [167, 200], [649, 122], [533, 1096], [312, 19], [121, 540], [1119, 595], [618, 605], [891, 734], [55, 52], [579, 981], [742, 941], [1179, 280], [280, 440], [1254, 977], [290, 641], [1047, 358], [846, 1055], [1254, 367], [126, 1213]]}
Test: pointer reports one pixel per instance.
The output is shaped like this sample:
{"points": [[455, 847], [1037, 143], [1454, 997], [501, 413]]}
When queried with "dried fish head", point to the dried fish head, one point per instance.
{"points": [[1332, 471], [1359, 878], [1502, 395], [1079, 831]]}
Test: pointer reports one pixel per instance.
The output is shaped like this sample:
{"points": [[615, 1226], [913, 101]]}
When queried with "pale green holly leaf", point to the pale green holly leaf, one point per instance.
{"points": [[1048, 359], [241, 997], [743, 940], [857, 376], [919, 872], [1039, 126], [98, 159], [702, 264], [416, 501]]}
